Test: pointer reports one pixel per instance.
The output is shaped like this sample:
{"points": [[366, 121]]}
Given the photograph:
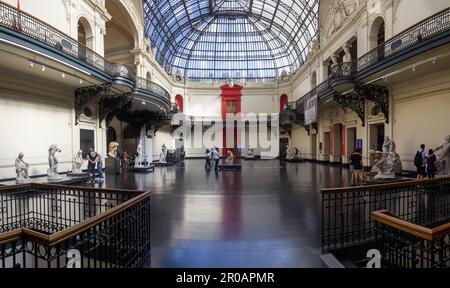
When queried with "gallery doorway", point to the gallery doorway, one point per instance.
{"points": [[377, 134]]}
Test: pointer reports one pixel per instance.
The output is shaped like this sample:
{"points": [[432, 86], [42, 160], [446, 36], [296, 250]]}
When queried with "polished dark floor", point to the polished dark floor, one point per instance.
{"points": [[267, 215]]}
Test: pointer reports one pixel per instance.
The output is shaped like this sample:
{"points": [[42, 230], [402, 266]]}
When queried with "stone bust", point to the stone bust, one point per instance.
{"points": [[112, 151]]}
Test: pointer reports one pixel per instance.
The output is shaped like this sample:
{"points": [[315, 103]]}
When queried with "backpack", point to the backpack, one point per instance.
{"points": [[418, 159]]}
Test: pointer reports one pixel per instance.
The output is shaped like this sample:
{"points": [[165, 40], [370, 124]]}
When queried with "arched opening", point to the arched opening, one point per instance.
{"points": [[179, 102], [148, 76], [283, 102], [85, 35], [313, 80], [111, 135], [121, 35], [377, 33]]}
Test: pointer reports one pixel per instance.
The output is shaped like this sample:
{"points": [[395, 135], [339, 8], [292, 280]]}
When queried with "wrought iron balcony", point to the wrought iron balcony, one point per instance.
{"points": [[144, 84], [41, 226], [425, 30], [24, 23], [122, 71]]}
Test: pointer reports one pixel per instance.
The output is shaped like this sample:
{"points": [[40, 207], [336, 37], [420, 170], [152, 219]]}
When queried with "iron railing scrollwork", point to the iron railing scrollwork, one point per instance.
{"points": [[32, 27], [404, 244], [123, 71], [142, 83], [109, 228], [424, 30]]}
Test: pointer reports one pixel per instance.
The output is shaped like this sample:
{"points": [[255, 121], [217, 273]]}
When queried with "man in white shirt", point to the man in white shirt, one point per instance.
{"points": [[216, 157]]}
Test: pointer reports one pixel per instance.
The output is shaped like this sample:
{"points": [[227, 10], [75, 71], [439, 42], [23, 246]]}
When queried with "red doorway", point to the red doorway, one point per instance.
{"points": [[231, 104]]}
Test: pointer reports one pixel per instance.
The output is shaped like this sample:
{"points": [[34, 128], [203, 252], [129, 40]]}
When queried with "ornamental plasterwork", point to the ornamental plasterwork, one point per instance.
{"points": [[135, 16], [337, 14]]}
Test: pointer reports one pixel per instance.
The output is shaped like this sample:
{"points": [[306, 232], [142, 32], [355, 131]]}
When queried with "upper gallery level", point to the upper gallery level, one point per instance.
{"points": [[79, 43]]}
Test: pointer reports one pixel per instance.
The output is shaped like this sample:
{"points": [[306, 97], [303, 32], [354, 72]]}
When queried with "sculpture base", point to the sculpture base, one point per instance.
{"points": [[250, 158], [231, 167], [373, 180], [142, 169], [23, 181], [112, 166], [81, 174], [167, 164], [52, 179], [297, 160]]}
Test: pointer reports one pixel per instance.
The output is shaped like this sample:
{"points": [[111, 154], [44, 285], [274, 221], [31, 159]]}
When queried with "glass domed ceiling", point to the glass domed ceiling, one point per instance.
{"points": [[240, 39]]}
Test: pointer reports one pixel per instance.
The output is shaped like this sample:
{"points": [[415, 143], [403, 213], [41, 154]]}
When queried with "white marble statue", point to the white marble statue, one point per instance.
{"points": [[52, 172], [163, 156], [444, 157], [22, 170], [251, 153], [347, 56], [347, 61], [140, 159], [387, 163], [78, 163], [289, 154], [296, 153]]}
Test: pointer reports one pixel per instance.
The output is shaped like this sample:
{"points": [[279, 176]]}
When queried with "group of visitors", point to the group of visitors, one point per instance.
{"points": [[426, 163], [212, 158], [95, 160]]}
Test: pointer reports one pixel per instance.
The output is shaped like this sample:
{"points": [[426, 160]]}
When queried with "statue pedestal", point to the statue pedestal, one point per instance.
{"points": [[112, 166], [23, 181]]}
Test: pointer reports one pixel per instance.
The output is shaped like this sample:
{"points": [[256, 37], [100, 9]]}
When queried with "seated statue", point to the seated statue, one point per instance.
{"points": [[78, 162], [387, 163], [112, 151], [163, 156], [230, 158], [52, 172], [444, 157], [22, 170]]}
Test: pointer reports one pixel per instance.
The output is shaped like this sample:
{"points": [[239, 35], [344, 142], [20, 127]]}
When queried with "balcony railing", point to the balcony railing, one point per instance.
{"points": [[41, 226], [405, 244], [347, 212], [142, 83], [422, 31], [30, 26], [122, 70], [36, 29]]}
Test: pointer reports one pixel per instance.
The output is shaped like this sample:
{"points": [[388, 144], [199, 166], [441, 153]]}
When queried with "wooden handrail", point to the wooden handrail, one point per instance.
{"points": [[387, 218], [382, 186], [70, 232]]}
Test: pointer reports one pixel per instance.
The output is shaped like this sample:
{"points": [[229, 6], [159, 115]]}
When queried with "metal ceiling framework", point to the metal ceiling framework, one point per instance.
{"points": [[240, 39]]}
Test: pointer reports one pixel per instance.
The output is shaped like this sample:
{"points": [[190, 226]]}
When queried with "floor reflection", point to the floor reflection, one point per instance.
{"points": [[267, 215]]}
